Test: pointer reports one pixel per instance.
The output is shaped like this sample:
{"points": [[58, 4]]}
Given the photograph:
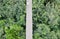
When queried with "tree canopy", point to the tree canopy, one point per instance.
{"points": [[46, 19], [12, 19]]}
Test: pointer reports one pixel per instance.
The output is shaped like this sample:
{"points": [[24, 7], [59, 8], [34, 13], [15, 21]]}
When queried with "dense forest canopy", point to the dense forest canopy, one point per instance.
{"points": [[46, 19], [12, 19]]}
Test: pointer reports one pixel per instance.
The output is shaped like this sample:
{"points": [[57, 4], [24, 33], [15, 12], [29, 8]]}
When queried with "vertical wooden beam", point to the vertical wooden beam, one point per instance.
{"points": [[29, 19]]}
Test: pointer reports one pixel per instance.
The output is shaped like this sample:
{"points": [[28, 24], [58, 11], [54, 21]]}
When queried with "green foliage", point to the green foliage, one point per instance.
{"points": [[13, 32], [12, 19], [46, 16]]}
